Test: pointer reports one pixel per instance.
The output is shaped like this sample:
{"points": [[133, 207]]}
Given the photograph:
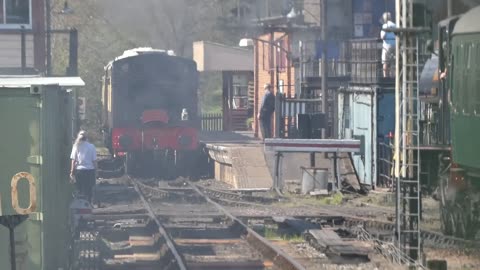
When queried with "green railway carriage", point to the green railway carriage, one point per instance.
{"points": [[460, 172], [465, 85], [36, 120]]}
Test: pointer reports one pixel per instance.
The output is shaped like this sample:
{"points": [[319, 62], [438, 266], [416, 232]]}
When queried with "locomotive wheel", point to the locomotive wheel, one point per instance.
{"points": [[457, 211], [129, 163]]}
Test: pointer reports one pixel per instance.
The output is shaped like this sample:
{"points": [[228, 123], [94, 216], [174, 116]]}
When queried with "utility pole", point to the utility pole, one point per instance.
{"points": [[449, 8], [323, 11]]}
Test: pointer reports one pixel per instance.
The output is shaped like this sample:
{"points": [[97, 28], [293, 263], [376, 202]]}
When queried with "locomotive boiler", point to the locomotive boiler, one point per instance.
{"points": [[150, 120]]}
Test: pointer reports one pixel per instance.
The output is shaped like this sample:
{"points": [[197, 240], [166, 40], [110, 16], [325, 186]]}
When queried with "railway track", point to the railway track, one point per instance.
{"points": [[201, 235], [189, 226]]}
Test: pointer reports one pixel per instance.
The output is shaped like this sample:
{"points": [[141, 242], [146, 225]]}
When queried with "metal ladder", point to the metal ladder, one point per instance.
{"points": [[408, 203]]}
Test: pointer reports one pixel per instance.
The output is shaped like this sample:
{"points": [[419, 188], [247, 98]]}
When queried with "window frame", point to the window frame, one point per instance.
{"points": [[266, 53], [476, 93], [5, 25], [281, 57]]}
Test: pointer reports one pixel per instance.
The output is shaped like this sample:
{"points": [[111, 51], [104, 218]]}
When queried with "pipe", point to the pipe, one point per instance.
{"points": [[23, 49], [13, 261], [49, 42], [449, 8], [397, 122], [324, 62]]}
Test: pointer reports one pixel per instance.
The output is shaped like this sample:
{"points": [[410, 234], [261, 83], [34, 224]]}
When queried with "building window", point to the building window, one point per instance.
{"points": [[15, 13], [281, 55], [281, 85], [266, 56]]}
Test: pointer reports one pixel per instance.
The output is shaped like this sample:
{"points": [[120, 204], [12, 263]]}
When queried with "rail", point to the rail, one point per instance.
{"points": [[178, 258], [278, 257], [268, 250]]}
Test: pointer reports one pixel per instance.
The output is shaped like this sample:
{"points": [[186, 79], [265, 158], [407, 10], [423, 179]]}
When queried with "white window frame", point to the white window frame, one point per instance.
{"points": [[5, 25]]}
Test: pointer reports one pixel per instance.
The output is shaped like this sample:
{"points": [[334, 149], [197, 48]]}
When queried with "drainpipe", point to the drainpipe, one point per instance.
{"points": [[23, 50], [324, 61], [449, 8], [49, 42]]}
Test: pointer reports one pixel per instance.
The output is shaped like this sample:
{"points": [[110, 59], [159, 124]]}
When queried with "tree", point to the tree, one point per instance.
{"points": [[106, 28]]}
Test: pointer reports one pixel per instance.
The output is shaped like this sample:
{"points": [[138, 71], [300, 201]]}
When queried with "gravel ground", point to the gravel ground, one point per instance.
{"points": [[378, 204]]}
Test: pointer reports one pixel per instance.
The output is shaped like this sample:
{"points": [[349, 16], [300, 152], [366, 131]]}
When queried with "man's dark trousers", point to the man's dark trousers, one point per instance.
{"points": [[265, 124]]}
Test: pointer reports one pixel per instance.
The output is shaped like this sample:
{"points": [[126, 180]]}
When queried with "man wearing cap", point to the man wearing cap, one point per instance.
{"points": [[83, 165], [266, 110]]}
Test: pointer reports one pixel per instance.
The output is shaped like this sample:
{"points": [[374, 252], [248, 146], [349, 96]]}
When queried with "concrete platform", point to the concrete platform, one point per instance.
{"points": [[241, 162], [239, 159]]}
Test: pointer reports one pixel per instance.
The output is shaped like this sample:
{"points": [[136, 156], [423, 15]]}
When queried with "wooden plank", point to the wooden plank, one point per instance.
{"points": [[331, 243]]}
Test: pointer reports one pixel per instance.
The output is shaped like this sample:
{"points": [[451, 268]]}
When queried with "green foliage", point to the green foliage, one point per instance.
{"points": [[106, 28], [210, 92], [273, 234]]}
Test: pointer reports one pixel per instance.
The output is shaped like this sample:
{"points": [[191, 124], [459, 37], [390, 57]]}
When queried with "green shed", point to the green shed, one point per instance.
{"points": [[36, 134]]}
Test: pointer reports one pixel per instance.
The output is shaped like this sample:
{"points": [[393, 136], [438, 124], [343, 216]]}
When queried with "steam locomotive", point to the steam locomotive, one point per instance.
{"points": [[150, 121], [456, 115]]}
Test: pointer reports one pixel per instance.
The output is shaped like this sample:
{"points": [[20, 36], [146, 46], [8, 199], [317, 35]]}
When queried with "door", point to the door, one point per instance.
{"points": [[362, 126]]}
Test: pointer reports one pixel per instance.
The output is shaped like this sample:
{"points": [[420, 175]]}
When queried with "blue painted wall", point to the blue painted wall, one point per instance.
{"points": [[385, 114]]}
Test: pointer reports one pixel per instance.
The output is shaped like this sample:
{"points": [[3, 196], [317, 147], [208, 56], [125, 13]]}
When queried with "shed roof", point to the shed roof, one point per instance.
{"points": [[468, 23], [27, 81], [211, 56]]}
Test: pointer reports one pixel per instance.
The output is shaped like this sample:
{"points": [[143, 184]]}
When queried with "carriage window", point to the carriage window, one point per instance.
{"points": [[476, 92], [455, 79], [465, 82]]}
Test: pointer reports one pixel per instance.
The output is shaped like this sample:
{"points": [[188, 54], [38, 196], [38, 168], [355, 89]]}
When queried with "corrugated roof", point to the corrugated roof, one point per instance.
{"points": [[468, 23], [27, 81]]}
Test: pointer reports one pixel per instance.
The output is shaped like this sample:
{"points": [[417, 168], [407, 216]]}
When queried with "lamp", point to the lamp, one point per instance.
{"points": [[245, 42], [66, 9], [292, 14]]}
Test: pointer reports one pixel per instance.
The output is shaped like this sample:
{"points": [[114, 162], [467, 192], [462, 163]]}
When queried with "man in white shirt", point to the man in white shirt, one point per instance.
{"points": [[83, 165], [388, 50]]}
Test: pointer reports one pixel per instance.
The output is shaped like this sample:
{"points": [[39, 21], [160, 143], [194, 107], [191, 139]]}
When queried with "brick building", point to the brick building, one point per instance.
{"points": [[272, 65], [29, 14]]}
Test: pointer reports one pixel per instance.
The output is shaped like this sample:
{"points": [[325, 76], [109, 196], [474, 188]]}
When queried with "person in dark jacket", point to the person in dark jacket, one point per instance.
{"points": [[266, 110]]}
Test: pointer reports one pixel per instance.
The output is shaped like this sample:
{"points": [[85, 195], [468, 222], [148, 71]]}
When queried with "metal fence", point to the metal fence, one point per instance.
{"points": [[212, 121], [365, 57], [287, 113], [385, 164]]}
